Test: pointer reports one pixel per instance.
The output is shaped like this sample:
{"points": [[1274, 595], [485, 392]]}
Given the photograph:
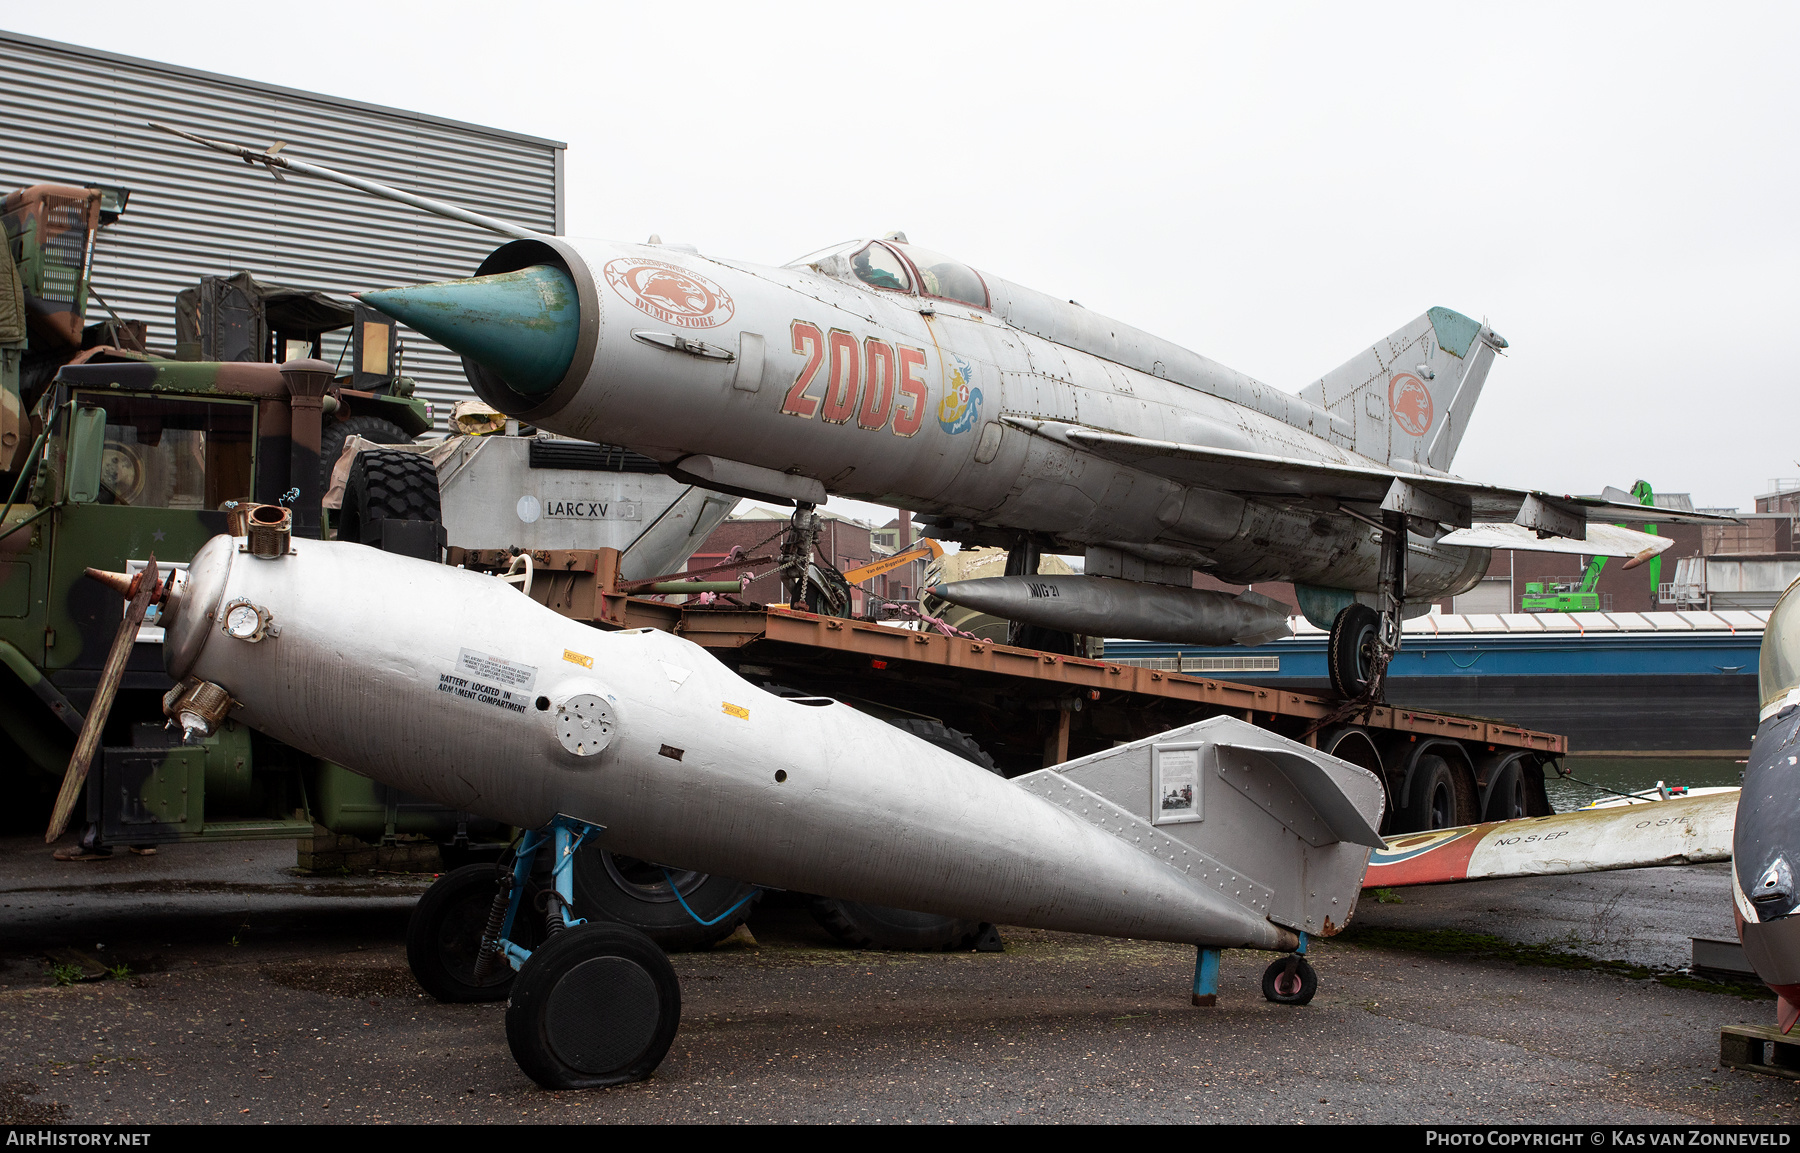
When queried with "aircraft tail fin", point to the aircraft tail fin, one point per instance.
{"points": [[1409, 397]]}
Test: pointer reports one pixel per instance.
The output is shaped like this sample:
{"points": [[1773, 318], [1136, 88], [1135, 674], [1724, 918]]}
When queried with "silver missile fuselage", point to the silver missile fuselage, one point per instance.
{"points": [[456, 687], [923, 402]]}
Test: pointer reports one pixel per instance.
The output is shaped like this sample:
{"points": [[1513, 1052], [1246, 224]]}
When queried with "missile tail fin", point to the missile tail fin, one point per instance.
{"points": [[1251, 640], [1275, 631], [1409, 396]]}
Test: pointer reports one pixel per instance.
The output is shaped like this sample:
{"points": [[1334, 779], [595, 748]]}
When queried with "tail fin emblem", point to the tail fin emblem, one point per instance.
{"points": [[1410, 402]]}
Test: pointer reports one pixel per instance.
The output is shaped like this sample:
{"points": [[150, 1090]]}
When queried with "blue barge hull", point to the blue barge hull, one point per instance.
{"points": [[1611, 691]]}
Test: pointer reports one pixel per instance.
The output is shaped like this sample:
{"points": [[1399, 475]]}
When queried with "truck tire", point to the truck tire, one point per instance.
{"points": [[1431, 799], [1510, 798], [865, 926], [335, 433], [386, 484], [626, 891]]}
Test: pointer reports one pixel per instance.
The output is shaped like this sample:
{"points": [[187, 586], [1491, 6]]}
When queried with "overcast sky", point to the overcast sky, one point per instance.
{"points": [[1611, 186]]}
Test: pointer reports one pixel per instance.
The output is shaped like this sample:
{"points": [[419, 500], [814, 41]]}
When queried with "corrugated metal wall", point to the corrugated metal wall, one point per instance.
{"points": [[77, 116]]}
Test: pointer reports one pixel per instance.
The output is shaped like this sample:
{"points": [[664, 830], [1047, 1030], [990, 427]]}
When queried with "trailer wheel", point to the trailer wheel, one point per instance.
{"points": [[865, 926], [1431, 802], [1290, 980], [335, 433], [443, 937], [1350, 657], [626, 891], [1507, 799], [595, 1005]]}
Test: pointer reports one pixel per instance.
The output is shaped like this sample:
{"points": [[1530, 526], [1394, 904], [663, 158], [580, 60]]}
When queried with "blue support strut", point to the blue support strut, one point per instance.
{"points": [[567, 835], [1206, 977]]}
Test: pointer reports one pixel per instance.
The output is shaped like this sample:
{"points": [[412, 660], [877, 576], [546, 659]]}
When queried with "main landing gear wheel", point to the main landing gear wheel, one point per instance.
{"points": [[595, 1005], [443, 937], [1290, 981], [1352, 653]]}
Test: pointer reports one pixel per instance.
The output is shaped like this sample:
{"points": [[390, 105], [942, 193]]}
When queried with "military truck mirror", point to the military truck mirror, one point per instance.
{"points": [[375, 351], [113, 198], [87, 447]]}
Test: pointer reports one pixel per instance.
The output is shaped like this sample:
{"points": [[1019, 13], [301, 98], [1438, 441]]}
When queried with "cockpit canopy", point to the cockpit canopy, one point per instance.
{"points": [[896, 266], [1779, 670]]}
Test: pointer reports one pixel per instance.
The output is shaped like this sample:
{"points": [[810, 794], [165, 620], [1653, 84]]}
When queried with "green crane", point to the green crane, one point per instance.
{"points": [[1571, 597]]}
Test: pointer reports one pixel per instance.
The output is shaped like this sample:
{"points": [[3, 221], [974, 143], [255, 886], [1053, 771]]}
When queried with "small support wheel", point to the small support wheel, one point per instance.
{"points": [[1290, 980], [443, 937], [596, 1005]]}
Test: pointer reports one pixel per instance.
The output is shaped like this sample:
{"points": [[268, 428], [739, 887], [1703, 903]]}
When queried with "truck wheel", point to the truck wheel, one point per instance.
{"points": [[386, 484], [443, 937], [1350, 656], [626, 891], [335, 433], [1431, 802], [1507, 800], [595, 1005], [864, 926]]}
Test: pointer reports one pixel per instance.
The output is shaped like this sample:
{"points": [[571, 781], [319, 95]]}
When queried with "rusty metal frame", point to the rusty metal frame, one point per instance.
{"points": [[583, 583]]}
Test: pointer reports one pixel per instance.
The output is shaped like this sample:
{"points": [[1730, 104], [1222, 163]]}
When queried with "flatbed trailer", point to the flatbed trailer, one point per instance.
{"points": [[1029, 709]]}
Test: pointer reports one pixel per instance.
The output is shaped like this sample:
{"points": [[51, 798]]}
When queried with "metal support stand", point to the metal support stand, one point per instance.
{"points": [[1206, 977]]}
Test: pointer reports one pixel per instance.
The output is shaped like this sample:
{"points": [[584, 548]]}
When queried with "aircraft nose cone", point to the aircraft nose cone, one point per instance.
{"points": [[521, 325]]}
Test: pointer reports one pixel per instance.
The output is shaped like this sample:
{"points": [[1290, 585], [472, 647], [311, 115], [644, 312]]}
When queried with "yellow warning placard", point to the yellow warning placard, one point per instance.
{"points": [[576, 658], [738, 711]]}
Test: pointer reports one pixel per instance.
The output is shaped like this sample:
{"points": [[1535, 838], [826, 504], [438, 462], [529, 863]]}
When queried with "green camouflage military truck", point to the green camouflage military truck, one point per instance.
{"points": [[110, 455]]}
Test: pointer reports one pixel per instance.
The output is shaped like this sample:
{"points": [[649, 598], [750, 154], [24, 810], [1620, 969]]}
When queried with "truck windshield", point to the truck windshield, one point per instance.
{"points": [[163, 453]]}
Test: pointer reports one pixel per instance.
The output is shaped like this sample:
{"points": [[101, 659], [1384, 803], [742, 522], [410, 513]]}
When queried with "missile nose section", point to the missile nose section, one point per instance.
{"points": [[521, 325]]}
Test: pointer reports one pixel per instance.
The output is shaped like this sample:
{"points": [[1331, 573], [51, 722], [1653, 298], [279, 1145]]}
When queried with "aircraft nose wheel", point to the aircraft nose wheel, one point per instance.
{"points": [[1290, 980], [595, 1005]]}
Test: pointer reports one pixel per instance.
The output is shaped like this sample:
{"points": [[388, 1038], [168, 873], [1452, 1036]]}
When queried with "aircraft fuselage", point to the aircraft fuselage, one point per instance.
{"points": [[904, 399]]}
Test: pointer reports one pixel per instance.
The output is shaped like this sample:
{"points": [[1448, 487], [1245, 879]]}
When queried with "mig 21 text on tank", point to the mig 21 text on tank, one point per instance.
{"points": [[887, 372]]}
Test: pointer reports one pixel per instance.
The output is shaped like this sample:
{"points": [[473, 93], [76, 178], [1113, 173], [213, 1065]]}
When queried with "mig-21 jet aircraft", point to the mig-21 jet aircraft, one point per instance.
{"points": [[884, 371]]}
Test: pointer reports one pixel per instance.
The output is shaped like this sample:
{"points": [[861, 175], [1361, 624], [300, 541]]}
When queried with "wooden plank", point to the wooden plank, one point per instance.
{"points": [[148, 584]]}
